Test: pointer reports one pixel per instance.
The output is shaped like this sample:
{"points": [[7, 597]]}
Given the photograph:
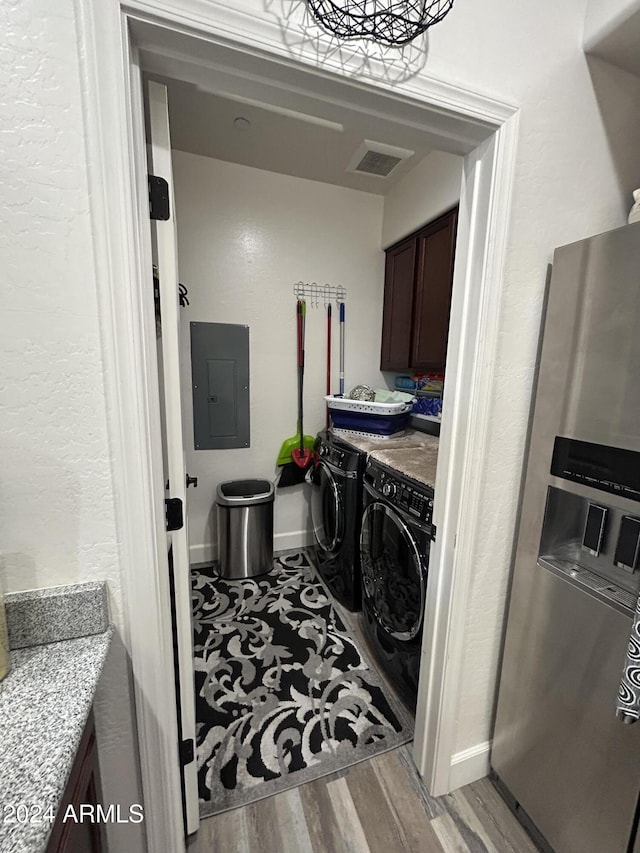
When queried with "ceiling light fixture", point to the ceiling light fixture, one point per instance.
{"points": [[390, 22]]}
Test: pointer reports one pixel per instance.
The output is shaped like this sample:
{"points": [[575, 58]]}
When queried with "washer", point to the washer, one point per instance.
{"points": [[336, 512], [395, 539]]}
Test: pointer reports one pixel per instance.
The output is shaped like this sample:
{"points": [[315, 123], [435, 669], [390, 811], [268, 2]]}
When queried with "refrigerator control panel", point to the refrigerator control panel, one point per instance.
{"points": [[609, 469]]}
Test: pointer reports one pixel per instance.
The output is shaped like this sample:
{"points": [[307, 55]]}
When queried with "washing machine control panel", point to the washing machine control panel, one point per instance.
{"points": [[334, 455], [413, 500]]}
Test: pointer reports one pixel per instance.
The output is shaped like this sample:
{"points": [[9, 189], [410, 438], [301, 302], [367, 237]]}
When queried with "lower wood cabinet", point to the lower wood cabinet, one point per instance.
{"points": [[83, 788], [417, 297]]}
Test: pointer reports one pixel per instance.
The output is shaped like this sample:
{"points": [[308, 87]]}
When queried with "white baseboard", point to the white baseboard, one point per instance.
{"points": [[469, 765], [294, 539], [202, 554], [208, 552]]}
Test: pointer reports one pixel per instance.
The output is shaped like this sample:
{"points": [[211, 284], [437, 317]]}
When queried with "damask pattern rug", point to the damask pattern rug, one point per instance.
{"points": [[283, 694]]}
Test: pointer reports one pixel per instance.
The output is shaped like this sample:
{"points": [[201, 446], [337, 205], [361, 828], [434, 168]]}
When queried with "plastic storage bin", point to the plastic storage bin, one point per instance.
{"points": [[245, 528], [366, 407], [373, 418], [365, 422], [431, 406]]}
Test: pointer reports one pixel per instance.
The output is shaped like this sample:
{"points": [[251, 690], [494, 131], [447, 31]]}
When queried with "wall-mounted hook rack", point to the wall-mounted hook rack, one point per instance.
{"points": [[314, 293]]}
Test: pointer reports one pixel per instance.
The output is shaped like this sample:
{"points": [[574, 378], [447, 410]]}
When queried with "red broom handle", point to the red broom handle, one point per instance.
{"points": [[300, 343]]}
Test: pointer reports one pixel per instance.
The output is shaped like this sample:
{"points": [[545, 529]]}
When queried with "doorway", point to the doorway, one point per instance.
{"points": [[262, 197], [479, 129]]}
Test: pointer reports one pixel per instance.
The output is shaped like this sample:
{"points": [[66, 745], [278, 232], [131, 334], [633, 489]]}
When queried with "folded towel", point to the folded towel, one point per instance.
{"points": [[385, 396]]}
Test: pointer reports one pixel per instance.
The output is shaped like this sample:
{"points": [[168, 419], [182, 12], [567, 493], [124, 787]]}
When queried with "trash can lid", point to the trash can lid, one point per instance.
{"points": [[244, 492]]}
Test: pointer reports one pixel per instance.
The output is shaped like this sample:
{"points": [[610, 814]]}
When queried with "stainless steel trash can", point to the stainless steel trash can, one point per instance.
{"points": [[245, 528]]}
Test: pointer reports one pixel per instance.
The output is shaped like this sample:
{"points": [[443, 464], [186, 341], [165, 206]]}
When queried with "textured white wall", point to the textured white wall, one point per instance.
{"points": [[56, 501], [430, 189], [602, 15], [244, 237]]}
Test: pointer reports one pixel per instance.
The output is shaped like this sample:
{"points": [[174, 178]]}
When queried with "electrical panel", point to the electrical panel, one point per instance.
{"points": [[220, 378]]}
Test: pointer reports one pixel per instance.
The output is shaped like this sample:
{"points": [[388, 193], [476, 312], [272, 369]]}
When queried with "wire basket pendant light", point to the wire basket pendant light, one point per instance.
{"points": [[390, 22]]}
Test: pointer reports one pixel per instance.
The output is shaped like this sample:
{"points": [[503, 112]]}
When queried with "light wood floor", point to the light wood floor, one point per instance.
{"points": [[377, 806]]}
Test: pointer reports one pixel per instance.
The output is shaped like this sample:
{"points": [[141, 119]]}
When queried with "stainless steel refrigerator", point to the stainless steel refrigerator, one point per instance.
{"points": [[561, 756]]}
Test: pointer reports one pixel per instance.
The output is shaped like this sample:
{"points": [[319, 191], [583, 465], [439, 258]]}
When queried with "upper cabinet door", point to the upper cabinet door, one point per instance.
{"points": [[398, 305], [432, 301]]}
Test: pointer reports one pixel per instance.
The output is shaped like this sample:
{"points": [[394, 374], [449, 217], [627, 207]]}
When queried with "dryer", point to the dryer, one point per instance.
{"points": [[336, 511], [395, 539]]}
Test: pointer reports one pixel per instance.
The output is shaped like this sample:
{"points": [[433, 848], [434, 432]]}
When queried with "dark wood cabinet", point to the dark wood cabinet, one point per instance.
{"points": [[83, 788], [417, 297], [398, 300]]}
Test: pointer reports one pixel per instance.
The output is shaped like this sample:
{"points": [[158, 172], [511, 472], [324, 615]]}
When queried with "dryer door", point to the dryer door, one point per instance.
{"points": [[394, 583], [327, 512]]}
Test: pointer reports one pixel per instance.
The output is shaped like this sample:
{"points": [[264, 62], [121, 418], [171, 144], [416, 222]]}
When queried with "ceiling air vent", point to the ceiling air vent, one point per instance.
{"points": [[377, 159]]}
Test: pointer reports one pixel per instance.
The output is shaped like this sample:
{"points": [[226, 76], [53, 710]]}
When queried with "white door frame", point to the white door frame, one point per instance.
{"points": [[116, 171]]}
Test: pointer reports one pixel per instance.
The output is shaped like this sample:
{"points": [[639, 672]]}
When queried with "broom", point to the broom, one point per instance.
{"points": [[296, 453]]}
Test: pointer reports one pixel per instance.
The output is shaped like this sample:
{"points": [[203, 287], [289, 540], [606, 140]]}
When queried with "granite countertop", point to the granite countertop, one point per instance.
{"points": [[45, 702], [410, 438], [419, 463]]}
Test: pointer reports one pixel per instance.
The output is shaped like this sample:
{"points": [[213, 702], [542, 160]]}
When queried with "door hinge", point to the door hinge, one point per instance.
{"points": [[434, 532], [173, 513], [158, 197], [187, 751]]}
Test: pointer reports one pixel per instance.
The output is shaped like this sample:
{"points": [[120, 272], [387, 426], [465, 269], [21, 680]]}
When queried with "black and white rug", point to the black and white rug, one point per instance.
{"points": [[283, 694]]}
